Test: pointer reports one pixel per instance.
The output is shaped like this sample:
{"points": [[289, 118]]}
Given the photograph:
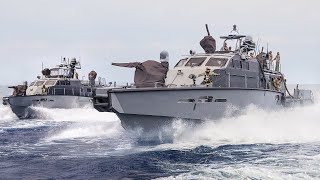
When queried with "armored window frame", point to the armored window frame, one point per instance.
{"points": [[63, 83], [39, 83], [180, 63], [33, 83], [197, 61], [50, 83], [237, 64], [245, 65], [214, 62]]}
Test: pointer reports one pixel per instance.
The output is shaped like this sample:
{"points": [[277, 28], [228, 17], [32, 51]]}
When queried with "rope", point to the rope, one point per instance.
{"points": [[285, 85]]}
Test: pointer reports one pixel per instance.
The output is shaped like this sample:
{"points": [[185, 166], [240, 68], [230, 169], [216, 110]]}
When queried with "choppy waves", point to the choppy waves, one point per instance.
{"points": [[6, 113], [258, 144], [293, 125]]}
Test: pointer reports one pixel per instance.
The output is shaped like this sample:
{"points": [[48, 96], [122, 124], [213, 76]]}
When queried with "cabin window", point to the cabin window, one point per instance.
{"points": [[237, 64], [39, 83], [33, 83], [219, 62], [50, 83], [245, 65], [180, 63], [63, 83], [195, 61]]}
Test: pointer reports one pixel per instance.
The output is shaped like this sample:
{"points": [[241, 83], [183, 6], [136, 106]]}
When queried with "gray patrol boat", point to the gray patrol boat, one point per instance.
{"points": [[58, 87], [238, 76]]}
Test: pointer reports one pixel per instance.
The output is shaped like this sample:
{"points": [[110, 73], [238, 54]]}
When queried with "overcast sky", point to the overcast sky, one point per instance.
{"points": [[105, 31]]}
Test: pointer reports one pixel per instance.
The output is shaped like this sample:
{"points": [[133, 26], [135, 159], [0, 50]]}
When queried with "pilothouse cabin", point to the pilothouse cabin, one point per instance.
{"points": [[63, 80], [236, 68]]}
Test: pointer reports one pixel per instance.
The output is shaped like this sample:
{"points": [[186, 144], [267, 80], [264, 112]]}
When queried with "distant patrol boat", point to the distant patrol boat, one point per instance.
{"points": [[235, 80], [59, 87]]}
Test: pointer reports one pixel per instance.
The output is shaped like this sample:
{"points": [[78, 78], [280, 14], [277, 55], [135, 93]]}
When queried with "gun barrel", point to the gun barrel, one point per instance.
{"points": [[207, 30]]}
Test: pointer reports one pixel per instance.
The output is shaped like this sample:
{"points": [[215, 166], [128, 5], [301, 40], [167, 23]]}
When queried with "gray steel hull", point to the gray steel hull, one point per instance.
{"points": [[22, 105], [152, 109]]}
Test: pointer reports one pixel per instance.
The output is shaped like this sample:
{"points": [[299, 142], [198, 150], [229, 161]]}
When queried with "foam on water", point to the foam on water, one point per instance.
{"points": [[292, 125], [73, 115], [242, 172], [241, 142], [6, 113], [85, 123], [88, 130]]}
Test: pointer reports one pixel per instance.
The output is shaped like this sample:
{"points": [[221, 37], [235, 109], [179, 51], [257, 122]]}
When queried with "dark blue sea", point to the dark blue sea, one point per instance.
{"points": [[85, 144]]}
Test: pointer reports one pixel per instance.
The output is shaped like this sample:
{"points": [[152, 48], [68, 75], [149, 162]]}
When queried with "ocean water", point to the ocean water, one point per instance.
{"points": [[85, 144]]}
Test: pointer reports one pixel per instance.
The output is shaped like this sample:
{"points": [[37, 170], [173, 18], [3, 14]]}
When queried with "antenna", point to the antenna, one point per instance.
{"points": [[257, 50], [267, 56], [207, 30]]}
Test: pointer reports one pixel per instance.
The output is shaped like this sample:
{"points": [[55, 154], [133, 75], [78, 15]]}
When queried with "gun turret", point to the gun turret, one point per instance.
{"points": [[19, 90], [208, 43]]}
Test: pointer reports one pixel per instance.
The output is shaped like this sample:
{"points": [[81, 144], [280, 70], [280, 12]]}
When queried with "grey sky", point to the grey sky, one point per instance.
{"points": [[102, 31]]}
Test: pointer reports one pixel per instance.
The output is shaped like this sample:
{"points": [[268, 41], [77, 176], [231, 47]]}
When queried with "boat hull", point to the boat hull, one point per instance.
{"points": [[22, 106], [151, 109]]}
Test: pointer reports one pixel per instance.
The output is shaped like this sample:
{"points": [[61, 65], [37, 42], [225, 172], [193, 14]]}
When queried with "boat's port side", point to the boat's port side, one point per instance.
{"points": [[190, 103], [23, 106]]}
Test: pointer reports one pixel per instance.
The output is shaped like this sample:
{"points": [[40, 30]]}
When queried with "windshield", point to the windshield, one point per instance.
{"points": [[50, 83], [63, 83], [39, 83], [217, 62], [180, 63], [195, 61], [32, 83]]}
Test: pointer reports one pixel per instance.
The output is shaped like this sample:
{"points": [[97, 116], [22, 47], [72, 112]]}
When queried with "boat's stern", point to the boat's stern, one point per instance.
{"points": [[300, 97], [101, 100]]}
